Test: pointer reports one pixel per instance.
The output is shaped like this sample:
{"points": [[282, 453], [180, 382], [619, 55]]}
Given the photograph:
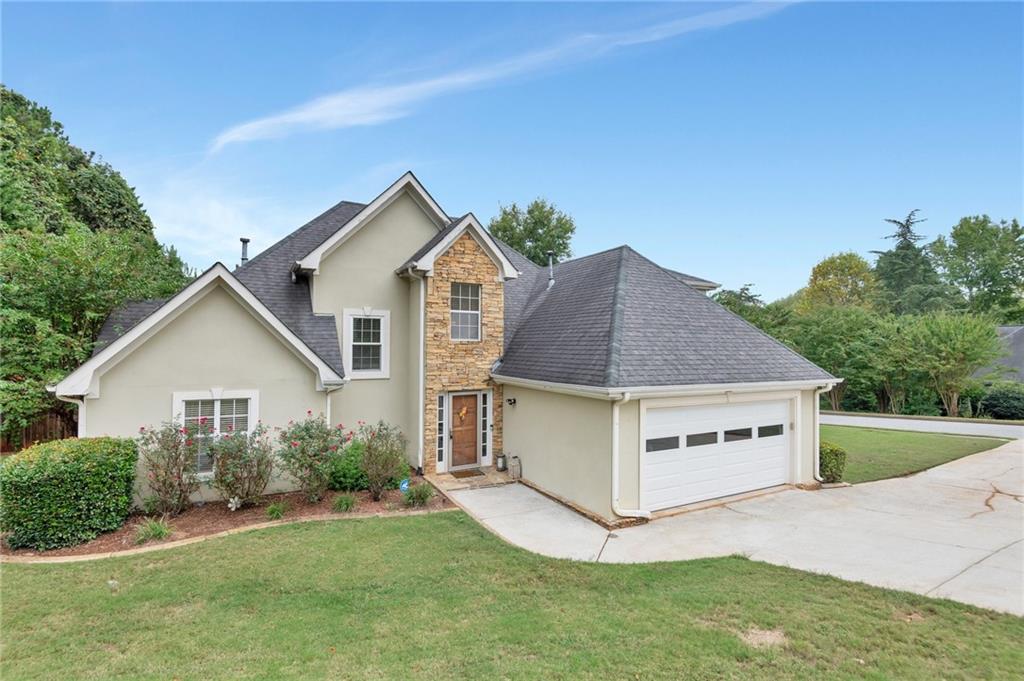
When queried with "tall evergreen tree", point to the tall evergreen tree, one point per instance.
{"points": [[909, 281]]}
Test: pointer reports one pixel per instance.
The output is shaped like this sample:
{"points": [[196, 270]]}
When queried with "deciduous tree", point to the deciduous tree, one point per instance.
{"points": [[841, 279], [535, 231]]}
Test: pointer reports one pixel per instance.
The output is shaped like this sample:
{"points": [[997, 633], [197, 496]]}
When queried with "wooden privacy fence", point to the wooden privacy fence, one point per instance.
{"points": [[51, 426]]}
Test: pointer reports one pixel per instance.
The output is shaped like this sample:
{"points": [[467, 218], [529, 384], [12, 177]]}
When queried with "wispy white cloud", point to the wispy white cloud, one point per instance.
{"points": [[375, 104]]}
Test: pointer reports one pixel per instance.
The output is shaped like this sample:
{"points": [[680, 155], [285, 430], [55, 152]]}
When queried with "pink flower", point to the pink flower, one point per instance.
{"points": [[230, 427], [341, 426], [333, 448], [361, 423], [182, 431], [188, 443], [309, 412], [202, 419], [142, 429], [295, 443]]}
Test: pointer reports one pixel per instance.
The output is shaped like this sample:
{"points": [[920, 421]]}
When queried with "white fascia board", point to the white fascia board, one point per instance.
{"points": [[84, 379], [661, 390], [407, 182], [468, 224]]}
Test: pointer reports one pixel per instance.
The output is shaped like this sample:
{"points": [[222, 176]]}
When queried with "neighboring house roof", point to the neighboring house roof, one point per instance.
{"points": [[1009, 367], [616, 319], [83, 380]]}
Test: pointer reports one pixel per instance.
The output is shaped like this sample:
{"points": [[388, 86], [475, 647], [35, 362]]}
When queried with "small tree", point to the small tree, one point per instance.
{"points": [[535, 231], [307, 450], [949, 348], [841, 279], [170, 454], [242, 465], [892, 357], [383, 456]]}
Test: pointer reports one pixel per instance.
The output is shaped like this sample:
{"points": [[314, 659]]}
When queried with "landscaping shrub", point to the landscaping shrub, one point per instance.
{"points": [[277, 510], [307, 452], [419, 495], [152, 529], [1004, 401], [383, 456], [170, 454], [242, 465], [347, 469], [831, 461], [343, 503], [66, 492]]}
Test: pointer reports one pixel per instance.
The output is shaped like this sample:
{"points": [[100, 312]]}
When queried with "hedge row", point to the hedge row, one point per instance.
{"points": [[66, 492]]}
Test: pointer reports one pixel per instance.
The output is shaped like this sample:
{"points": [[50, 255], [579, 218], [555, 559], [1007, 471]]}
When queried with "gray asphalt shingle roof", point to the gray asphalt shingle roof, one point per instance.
{"points": [[616, 319], [612, 319], [268, 276]]}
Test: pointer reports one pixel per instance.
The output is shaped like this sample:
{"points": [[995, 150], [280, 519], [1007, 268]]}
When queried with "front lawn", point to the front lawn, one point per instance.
{"points": [[874, 453], [438, 597]]}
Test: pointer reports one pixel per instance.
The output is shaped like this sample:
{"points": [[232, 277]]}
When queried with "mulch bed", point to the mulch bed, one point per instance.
{"points": [[214, 517]]}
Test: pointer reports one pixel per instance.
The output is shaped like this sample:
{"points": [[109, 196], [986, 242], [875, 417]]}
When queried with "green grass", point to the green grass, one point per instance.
{"points": [[874, 453], [438, 597]]}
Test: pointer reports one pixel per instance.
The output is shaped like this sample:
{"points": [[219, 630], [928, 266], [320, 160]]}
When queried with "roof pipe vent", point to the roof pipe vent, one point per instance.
{"points": [[551, 269], [245, 249]]}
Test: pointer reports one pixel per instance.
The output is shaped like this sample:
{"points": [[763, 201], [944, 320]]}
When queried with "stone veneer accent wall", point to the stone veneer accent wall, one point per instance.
{"points": [[462, 365]]}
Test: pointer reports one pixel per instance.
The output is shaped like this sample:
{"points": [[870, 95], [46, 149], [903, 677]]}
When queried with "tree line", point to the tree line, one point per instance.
{"points": [[915, 332], [75, 243]]}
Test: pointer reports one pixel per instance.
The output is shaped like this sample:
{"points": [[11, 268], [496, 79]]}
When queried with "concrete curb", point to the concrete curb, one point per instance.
{"points": [[81, 558]]}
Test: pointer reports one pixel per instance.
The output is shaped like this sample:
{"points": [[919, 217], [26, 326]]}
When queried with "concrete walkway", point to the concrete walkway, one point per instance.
{"points": [[955, 531], [950, 426]]}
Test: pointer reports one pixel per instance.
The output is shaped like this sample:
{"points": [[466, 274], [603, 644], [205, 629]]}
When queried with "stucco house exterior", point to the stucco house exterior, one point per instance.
{"points": [[622, 388]]}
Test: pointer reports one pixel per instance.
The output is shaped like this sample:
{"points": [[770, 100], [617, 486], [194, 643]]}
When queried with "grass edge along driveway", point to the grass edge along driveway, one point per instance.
{"points": [[876, 453], [437, 596]]}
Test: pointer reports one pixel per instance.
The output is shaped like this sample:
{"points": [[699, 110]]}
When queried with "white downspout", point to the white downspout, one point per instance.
{"points": [[625, 513], [420, 400], [817, 431], [422, 372], [81, 411]]}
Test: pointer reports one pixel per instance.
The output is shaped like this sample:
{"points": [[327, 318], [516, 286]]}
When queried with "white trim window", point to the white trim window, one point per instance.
{"points": [[367, 346], [465, 310], [220, 411]]}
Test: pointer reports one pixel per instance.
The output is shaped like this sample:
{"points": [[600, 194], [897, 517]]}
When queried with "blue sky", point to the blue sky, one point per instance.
{"points": [[741, 143]]}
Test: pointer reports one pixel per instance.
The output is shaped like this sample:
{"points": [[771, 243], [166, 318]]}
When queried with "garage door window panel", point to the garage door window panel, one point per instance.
{"points": [[737, 434], [770, 431], [701, 439]]}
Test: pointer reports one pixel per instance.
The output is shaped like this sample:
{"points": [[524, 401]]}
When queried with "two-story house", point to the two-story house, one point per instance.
{"points": [[619, 384]]}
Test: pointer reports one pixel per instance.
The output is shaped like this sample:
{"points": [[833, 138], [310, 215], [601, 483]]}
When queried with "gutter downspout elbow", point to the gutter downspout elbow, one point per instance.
{"points": [[81, 410], [616, 509]]}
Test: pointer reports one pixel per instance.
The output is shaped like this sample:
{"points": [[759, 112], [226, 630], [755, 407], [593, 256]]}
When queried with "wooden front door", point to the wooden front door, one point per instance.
{"points": [[465, 428]]}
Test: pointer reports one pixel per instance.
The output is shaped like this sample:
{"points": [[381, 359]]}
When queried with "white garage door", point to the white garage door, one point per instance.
{"points": [[690, 454]]}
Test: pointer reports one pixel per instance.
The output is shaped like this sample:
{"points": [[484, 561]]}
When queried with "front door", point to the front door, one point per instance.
{"points": [[465, 427]]}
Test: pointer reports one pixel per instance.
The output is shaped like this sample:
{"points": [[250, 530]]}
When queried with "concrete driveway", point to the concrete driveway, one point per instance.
{"points": [[955, 531]]}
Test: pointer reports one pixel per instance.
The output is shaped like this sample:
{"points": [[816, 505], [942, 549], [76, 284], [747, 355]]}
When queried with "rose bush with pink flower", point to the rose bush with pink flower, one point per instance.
{"points": [[306, 453], [169, 454]]}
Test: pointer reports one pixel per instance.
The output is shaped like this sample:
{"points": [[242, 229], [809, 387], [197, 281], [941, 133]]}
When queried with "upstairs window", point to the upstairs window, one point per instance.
{"points": [[366, 350], [366, 344], [465, 309]]}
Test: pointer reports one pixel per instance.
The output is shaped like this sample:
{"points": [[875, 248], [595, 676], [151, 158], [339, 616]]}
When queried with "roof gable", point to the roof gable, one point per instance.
{"points": [[84, 379], [408, 183], [423, 260]]}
